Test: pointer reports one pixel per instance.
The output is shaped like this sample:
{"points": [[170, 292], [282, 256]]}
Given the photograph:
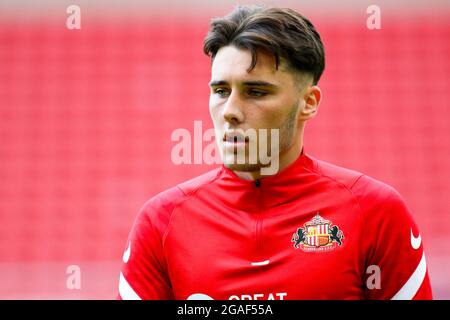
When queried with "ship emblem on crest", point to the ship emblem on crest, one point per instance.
{"points": [[318, 234]]}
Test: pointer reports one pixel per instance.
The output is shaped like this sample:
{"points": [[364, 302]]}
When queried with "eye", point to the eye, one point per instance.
{"points": [[256, 93], [222, 92]]}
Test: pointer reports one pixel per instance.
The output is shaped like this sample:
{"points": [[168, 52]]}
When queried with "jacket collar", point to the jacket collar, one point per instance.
{"points": [[274, 190]]}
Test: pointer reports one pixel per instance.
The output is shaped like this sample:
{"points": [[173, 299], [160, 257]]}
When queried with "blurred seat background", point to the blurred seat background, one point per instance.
{"points": [[86, 118]]}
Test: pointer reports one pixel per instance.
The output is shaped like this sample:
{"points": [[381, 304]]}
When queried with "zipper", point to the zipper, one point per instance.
{"points": [[259, 220]]}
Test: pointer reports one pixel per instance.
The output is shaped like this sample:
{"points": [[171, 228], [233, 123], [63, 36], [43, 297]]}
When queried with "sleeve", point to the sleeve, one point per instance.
{"points": [[144, 273], [395, 262]]}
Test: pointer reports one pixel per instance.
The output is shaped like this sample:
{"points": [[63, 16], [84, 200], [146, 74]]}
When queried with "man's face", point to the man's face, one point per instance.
{"points": [[264, 98]]}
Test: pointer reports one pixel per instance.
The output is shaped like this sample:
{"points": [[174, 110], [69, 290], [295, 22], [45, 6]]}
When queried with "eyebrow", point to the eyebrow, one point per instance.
{"points": [[245, 83]]}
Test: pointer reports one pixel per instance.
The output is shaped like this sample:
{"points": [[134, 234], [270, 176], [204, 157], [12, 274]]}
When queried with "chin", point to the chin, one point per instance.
{"points": [[243, 167]]}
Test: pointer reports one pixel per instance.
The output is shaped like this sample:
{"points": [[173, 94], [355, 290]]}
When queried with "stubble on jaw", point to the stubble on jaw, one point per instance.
{"points": [[286, 138]]}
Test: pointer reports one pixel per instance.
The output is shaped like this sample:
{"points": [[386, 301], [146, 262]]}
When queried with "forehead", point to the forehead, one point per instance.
{"points": [[232, 64]]}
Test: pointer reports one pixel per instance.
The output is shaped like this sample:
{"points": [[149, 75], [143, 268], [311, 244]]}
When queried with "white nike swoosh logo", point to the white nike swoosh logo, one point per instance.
{"points": [[126, 254], [415, 242]]}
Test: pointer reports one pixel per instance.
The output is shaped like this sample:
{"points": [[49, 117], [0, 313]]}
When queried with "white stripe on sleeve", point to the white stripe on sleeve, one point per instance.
{"points": [[410, 288], [126, 291]]}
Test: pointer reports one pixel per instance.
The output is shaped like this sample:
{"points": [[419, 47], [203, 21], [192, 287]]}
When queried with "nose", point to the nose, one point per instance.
{"points": [[232, 111]]}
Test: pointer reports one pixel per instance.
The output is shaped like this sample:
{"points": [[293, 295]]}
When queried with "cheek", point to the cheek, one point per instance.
{"points": [[272, 116], [215, 111], [213, 106]]}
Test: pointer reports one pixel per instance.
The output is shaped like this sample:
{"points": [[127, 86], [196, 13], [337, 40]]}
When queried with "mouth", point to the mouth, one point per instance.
{"points": [[235, 137]]}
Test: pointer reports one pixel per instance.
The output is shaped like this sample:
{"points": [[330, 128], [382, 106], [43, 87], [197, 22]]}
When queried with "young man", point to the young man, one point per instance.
{"points": [[307, 229]]}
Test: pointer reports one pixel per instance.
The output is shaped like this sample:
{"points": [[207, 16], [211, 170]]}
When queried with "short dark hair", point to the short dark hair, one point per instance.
{"points": [[282, 31]]}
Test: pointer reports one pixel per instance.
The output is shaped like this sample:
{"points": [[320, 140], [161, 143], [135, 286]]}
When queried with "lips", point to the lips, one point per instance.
{"points": [[235, 137]]}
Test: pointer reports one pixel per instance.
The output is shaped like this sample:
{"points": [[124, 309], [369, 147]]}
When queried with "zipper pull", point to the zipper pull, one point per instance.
{"points": [[257, 183]]}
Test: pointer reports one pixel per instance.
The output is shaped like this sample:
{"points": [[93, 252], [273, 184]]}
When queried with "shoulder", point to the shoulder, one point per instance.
{"points": [[369, 192], [373, 193], [339, 175], [158, 209], [385, 216]]}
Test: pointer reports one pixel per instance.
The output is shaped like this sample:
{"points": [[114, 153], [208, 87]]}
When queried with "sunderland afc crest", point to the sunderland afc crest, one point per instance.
{"points": [[318, 235]]}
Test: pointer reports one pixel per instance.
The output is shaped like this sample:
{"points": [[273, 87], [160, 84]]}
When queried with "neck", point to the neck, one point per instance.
{"points": [[285, 160]]}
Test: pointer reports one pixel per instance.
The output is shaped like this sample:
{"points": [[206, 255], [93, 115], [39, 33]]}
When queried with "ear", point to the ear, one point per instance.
{"points": [[311, 99]]}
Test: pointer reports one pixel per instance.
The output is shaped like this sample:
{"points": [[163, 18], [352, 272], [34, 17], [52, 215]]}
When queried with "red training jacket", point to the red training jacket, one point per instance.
{"points": [[312, 231]]}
